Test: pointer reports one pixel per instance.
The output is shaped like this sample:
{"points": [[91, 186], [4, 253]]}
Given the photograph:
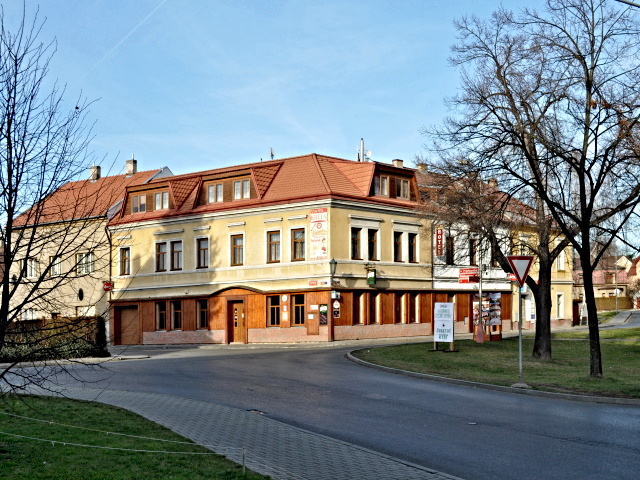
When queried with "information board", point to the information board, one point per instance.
{"points": [[443, 322]]}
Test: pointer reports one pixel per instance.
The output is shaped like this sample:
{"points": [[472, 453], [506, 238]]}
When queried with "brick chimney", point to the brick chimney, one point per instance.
{"points": [[397, 163]]}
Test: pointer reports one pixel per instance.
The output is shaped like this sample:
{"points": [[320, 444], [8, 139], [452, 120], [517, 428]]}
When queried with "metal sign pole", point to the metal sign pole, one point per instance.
{"points": [[520, 336]]}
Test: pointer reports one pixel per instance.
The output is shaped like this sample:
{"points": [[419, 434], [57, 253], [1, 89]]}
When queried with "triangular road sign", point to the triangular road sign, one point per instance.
{"points": [[520, 264]]}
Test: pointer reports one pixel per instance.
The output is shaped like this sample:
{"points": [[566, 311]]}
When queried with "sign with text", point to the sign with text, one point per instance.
{"points": [[468, 275], [443, 322], [439, 242], [318, 232]]}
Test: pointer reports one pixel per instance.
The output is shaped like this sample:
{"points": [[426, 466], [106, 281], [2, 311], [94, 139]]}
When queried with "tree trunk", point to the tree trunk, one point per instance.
{"points": [[595, 356], [542, 344]]}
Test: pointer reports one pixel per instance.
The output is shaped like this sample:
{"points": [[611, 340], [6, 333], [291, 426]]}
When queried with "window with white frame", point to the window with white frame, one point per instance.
{"points": [[561, 261], [162, 200], [241, 189], [215, 193], [31, 268], [84, 263], [55, 267]]}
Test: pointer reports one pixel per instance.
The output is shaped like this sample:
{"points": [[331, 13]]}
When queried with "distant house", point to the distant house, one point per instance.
{"points": [[611, 280], [64, 252]]}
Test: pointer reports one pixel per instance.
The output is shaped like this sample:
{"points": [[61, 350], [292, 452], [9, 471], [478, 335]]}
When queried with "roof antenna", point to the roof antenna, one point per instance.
{"points": [[272, 154], [363, 155]]}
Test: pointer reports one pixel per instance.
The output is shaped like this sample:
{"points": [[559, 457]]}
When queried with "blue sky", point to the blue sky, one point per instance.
{"points": [[195, 85]]}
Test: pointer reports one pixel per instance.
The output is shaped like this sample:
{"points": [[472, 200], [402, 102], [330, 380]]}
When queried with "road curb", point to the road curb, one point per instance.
{"points": [[500, 388]]}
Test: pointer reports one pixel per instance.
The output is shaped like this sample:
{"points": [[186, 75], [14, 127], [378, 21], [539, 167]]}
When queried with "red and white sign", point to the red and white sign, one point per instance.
{"points": [[107, 286], [468, 275], [520, 264], [439, 242]]}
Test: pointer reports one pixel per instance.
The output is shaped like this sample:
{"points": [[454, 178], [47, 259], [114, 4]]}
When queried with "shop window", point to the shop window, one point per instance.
{"points": [[176, 315], [273, 305], [297, 244], [161, 315], [202, 313], [298, 309]]}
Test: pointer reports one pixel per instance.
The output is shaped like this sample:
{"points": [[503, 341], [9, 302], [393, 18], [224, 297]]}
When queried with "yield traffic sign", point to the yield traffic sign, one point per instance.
{"points": [[520, 264]]}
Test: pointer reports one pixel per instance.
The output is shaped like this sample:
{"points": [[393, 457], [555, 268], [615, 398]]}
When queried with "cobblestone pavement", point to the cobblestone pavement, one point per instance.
{"points": [[267, 446]]}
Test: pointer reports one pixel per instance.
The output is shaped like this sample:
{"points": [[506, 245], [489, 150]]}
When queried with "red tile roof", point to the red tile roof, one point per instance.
{"points": [[300, 178], [82, 199]]}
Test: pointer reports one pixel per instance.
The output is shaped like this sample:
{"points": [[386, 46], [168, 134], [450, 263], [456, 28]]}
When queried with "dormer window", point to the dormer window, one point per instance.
{"points": [[402, 188], [381, 185], [162, 200], [241, 189], [215, 193], [139, 204]]}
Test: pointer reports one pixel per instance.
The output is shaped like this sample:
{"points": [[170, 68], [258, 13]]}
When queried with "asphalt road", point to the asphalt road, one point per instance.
{"points": [[468, 432]]}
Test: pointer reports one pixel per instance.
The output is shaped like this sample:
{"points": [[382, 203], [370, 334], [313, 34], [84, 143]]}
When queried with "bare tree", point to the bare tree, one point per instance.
{"points": [[550, 105], [48, 229], [501, 224]]}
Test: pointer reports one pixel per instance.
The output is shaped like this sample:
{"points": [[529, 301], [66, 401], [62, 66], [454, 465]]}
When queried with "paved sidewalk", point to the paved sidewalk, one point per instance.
{"points": [[269, 447]]}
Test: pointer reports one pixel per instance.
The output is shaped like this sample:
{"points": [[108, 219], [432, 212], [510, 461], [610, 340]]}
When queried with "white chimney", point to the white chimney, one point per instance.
{"points": [[397, 163], [132, 166], [94, 173]]}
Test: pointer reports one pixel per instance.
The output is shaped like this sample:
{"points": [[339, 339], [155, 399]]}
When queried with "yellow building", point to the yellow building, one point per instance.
{"points": [[309, 248], [63, 254]]}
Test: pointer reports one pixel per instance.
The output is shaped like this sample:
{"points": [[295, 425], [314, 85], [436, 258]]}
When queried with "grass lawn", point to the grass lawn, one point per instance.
{"points": [[497, 362], [114, 457]]}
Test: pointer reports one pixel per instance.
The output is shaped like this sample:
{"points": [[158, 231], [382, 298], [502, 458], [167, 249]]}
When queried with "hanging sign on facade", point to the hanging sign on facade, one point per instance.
{"points": [[318, 233], [439, 242]]}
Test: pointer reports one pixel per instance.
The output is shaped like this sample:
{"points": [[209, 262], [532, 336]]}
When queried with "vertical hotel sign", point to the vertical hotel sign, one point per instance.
{"points": [[439, 241], [319, 231]]}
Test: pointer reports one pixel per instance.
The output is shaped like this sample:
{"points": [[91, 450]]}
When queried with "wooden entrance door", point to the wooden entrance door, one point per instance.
{"points": [[236, 325], [127, 326]]}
